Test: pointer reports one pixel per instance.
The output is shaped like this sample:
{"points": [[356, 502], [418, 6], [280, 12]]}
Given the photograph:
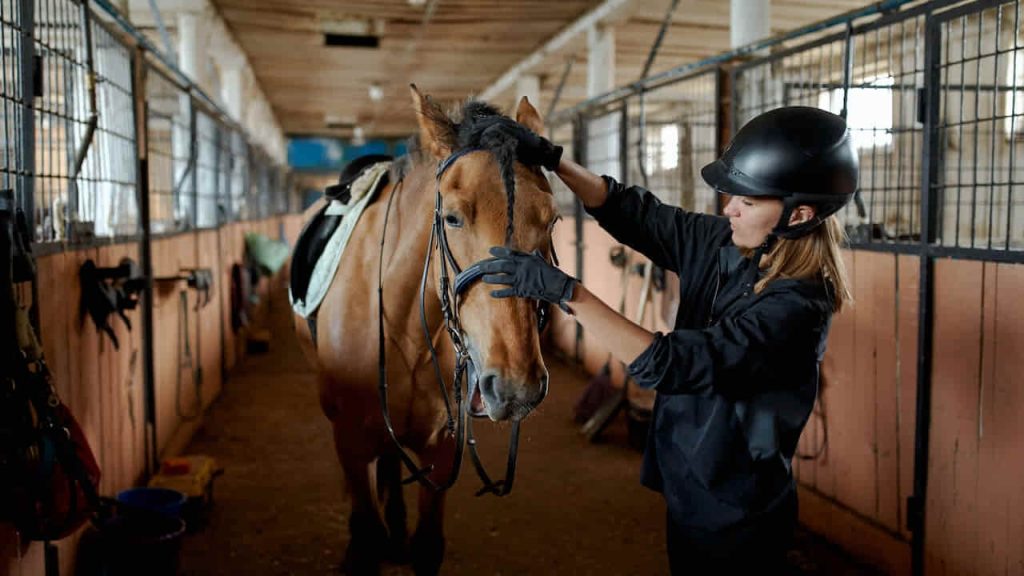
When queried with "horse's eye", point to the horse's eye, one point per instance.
{"points": [[452, 220]]}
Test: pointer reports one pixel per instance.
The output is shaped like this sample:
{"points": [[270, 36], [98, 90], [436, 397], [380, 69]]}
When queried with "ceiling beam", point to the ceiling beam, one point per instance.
{"points": [[607, 10]]}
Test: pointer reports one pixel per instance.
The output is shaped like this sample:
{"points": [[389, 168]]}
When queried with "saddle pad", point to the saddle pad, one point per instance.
{"points": [[364, 190]]}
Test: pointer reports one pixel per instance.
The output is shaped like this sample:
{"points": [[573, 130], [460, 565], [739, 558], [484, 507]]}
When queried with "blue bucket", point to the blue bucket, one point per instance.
{"points": [[139, 542], [162, 500]]}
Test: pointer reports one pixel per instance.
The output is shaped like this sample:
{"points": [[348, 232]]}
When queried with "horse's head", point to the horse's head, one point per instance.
{"points": [[488, 199]]}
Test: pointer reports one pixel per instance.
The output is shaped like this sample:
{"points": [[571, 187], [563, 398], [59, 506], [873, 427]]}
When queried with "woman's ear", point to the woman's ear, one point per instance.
{"points": [[801, 214]]}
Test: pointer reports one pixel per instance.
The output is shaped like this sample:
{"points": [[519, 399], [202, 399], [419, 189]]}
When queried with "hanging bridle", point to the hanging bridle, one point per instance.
{"points": [[456, 421]]}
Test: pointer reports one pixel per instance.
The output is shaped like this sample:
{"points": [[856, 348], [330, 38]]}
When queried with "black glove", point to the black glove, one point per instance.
{"points": [[531, 149], [528, 276]]}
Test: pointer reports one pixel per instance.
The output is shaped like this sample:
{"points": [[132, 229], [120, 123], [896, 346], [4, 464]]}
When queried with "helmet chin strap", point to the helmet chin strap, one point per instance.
{"points": [[784, 230], [753, 271]]}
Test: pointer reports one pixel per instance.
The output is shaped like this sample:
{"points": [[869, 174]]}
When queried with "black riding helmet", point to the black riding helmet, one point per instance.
{"points": [[801, 155]]}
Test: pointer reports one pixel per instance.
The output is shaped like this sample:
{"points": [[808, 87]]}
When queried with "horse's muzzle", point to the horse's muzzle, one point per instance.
{"points": [[507, 398]]}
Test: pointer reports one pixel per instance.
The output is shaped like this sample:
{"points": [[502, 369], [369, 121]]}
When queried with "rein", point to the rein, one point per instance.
{"points": [[456, 421]]}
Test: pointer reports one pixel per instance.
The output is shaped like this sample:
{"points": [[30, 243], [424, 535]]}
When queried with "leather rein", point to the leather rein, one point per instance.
{"points": [[456, 422]]}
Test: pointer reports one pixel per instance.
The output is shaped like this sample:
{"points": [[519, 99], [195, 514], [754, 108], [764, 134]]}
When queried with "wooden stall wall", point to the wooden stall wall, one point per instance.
{"points": [[975, 505], [100, 384], [103, 386], [855, 477]]}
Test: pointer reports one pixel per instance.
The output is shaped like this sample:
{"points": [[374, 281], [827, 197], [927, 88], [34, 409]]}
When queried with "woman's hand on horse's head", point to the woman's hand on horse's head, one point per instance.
{"points": [[527, 275], [531, 149]]}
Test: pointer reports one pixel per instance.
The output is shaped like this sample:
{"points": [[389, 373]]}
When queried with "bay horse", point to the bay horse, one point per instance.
{"points": [[501, 336]]}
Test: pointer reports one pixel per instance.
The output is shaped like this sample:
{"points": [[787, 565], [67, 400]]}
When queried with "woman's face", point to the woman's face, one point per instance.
{"points": [[752, 219]]}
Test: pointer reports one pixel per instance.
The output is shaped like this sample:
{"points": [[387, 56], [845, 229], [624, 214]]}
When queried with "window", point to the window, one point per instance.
{"points": [[662, 148], [870, 110], [1014, 102]]}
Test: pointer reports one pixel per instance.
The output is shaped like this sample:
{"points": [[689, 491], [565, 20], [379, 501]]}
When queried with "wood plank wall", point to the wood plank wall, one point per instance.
{"points": [[975, 521], [104, 387], [855, 493]]}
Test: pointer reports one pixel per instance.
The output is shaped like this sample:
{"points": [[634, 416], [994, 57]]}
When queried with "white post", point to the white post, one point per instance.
{"points": [[600, 60], [188, 44], [602, 151], [232, 90], [528, 85], [749, 21]]}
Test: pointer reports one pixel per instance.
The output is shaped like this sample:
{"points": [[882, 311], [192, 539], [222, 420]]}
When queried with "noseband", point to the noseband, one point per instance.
{"points": [[456, 421]]}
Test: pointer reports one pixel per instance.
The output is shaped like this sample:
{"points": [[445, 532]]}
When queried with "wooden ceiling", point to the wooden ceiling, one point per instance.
{"points": [[462, 48]]}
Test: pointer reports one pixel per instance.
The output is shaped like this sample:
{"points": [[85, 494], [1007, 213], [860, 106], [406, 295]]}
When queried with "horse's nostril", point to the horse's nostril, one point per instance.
{"points": [[542, 390], [488, 382]]}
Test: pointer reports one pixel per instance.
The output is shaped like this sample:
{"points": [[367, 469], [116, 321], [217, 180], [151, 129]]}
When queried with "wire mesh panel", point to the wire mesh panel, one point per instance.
{"points": [[224, 161], [240, 177], [168, 125], [797, 77], [680, 123], [13, 170], [887, 77], [259, 190], [981, 129], [61, 113], [206, 170], [106, 204], [879, 95], [282, 192]]}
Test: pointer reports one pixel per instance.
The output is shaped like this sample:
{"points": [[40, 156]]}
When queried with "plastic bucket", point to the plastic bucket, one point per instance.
{"points": [[133, 544], [161, 500]]}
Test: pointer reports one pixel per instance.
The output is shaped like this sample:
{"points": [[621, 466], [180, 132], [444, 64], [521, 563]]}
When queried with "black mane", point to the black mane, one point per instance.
{"points": [[471, 132]]}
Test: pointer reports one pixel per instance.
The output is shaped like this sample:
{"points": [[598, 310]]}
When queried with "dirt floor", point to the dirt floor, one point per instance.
{"points": [[577, 507]]}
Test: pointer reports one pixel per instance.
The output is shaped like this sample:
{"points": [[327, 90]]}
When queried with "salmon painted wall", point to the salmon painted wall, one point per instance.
{"points": [[104, 387], [975, 504], [855, 491]]}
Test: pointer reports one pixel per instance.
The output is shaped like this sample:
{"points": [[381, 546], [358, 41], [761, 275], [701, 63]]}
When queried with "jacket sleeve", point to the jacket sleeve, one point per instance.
{"points": [[772, 341], [668, 235]]}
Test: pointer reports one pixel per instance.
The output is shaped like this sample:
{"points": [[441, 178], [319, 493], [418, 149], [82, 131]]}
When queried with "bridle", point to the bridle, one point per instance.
{"points": [[456, 422]]}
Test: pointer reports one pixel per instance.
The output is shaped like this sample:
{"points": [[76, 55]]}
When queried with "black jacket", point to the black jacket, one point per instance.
{"points": [[736, 377]]}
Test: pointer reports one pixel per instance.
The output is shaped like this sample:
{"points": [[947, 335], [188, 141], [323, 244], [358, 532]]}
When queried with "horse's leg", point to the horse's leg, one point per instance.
{"points": [[428, 541], [367, 534], [389, 486]]}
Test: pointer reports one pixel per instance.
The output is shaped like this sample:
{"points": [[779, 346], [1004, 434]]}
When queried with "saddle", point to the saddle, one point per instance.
{"points": [[319, 231]]}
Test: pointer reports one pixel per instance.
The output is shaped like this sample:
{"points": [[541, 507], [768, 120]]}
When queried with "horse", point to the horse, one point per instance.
{"points": [[469, 197]]}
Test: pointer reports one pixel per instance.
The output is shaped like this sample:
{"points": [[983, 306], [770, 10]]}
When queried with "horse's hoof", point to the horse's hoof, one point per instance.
{"points": [[398, 552], [359, 564], [427, 555], [363, 557]]}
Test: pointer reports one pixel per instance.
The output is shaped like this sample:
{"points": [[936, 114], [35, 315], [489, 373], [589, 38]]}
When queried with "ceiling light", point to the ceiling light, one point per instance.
{"points": [[336, 122], [417, 2], [376, 92]]}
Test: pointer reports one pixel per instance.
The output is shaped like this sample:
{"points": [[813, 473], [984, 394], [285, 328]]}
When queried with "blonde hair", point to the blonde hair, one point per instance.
{"points": [[814, 256]]}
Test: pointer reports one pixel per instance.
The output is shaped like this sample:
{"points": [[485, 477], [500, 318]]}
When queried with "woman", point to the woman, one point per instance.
{"points": [[737, 376]]}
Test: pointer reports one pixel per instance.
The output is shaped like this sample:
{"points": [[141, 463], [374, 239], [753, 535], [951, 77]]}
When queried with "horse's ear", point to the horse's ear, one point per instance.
{"points": [[528, 116], [437, 133]]}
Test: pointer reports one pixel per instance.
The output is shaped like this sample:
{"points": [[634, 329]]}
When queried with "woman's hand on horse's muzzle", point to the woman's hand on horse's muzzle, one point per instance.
{"points": [[528, 276], [531, 149]]}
